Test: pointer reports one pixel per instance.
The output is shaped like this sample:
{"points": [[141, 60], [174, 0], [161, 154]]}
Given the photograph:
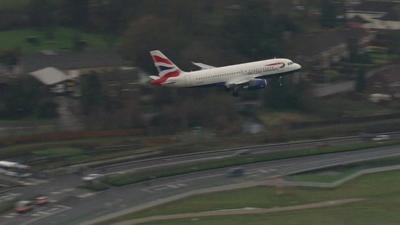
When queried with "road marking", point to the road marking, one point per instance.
{"points": [[164, 187], [47, 213], [10, 216], [87, 195], [8, 197]]}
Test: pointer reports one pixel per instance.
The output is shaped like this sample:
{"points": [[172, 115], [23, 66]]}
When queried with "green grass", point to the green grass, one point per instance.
{"points": [[13, 4], [129, 178], [366, 213], [58, 152], [380, 191], [63, 39], [323, 176], [6, 206], [48, 155], [340, 172]]}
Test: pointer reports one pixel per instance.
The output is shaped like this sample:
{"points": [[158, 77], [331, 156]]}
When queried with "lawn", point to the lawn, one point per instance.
{"points": [[340, 172], [13, 4], [63, 39], [365, 213], [380, 191]]}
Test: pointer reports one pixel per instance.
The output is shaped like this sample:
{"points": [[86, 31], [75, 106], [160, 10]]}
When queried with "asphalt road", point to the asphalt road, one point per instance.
{"points": [[76, 206], [163, 162]]}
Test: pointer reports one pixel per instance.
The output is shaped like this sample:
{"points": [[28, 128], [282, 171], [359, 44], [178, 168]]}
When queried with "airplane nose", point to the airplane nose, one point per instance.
{"points": [[298, 66]]}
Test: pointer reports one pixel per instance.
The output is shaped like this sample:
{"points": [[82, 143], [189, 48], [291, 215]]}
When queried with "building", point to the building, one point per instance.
{"points": [[73, 63], [386, 81], [53, 78], [376, 15], [323, 48]]}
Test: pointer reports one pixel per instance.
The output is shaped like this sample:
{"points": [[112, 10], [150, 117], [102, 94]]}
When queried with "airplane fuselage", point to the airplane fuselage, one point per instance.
{"points": [[223, 76], [251, 75]]}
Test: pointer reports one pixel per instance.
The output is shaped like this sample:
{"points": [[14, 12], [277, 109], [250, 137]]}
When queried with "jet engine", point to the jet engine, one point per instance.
{"points": [[255, 84]]}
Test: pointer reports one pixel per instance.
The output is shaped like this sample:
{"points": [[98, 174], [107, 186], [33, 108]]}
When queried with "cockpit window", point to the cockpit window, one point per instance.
{"points": [[290, 63]]}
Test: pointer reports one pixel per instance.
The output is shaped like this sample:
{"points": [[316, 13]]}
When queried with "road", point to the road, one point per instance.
{"points": [[166, 161], [77, 206]]}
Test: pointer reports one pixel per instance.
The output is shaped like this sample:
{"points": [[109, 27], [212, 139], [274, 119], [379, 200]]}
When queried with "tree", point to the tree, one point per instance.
{"points": [[25, 97], [394, 42], [41, 13], [92, 97], [10, 57], [255, 32], [328, 14], [353, 48], [361, 81], [149, 33], [75, 12], [289, 95]]}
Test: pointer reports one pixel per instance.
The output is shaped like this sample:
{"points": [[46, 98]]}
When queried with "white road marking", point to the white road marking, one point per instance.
{"points": [[10, 216], [9, 196], [46, 213], [87, 195]]}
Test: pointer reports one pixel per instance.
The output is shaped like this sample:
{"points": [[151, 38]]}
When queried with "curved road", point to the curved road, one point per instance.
{"points": [[76, 208]]}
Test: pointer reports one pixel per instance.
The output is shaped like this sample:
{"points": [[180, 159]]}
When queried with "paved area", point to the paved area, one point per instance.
{"points": [[79, 205]]}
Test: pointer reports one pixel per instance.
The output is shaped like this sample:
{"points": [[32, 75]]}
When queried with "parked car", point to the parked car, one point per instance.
{"points": [[235, 172], [23, 206], [382, 137], [92, 177], [41, 200]]}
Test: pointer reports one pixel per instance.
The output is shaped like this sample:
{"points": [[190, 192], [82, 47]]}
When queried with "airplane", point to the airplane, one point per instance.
{"points": [[250, 76]]}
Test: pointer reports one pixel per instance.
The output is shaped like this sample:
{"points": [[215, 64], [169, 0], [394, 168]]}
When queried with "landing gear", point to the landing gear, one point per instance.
{"points": [[235, 91], [281, 81]]}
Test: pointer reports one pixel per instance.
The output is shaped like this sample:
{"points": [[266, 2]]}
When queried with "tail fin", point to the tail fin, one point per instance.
{"points": [[163, 64]]}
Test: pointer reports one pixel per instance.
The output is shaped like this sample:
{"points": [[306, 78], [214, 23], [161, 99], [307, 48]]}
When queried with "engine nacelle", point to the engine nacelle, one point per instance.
{"points": [[255, 84]]}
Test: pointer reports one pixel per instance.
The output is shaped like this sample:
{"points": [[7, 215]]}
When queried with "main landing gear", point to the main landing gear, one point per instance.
{"points": [[234, 89]]}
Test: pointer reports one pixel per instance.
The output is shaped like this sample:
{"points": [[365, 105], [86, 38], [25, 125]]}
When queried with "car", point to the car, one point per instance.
{"points": [[92, 177], [41, 200], [235, 172], [381, 137], [23, 206]]}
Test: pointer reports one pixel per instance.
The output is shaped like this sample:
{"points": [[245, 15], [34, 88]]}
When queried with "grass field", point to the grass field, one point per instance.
{"points": [[340, 172], [63, 39], [380, 191], [13, 4]]}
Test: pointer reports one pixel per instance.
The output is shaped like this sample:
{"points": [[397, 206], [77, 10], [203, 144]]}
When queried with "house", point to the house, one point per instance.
{"points": [[323, 48], [59, 71], [378, 15], [73, 63], [387, 81], [53, 78]]}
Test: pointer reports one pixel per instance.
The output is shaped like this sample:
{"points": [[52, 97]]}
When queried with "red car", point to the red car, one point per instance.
{"points": [[23, 206]]}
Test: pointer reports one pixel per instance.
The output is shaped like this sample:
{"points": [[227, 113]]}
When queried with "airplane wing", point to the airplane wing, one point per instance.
{"points": [[238, 81], [203, 66]]}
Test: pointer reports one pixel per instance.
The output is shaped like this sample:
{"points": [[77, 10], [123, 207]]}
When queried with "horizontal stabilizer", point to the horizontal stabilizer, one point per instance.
{"points": [[154, 77], [203, 66]]}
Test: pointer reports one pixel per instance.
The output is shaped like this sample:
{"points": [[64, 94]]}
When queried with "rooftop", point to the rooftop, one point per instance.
{"points": [[72, 60], [375, 6], [50, 76]]}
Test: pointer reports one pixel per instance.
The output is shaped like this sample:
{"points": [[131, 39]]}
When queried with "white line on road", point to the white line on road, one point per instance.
{"points": [[87, 195], [44, 214]]}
